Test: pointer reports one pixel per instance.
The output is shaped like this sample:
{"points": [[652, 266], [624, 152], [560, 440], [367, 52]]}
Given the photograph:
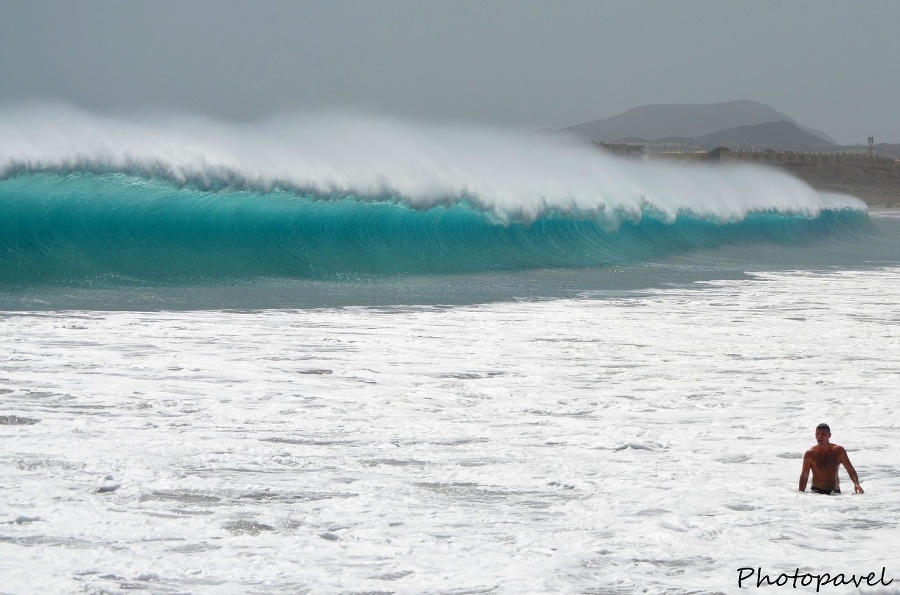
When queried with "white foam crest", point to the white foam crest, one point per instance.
{"points": [[511, 173]]}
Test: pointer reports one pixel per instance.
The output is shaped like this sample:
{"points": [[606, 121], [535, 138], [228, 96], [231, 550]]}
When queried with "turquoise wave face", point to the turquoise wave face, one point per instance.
{"points": [[88, 229]]}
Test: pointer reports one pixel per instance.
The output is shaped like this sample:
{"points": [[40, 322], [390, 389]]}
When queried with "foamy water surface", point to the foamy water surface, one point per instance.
{"points": [[649, 442]]}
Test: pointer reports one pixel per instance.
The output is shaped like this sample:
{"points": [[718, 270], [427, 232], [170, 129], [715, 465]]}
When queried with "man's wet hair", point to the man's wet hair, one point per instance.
{"points": [[823, 427]]}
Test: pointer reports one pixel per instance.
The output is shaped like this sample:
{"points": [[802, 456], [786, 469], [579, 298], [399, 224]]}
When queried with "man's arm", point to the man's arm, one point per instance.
{"points": [[845, 460], [804, 475]]}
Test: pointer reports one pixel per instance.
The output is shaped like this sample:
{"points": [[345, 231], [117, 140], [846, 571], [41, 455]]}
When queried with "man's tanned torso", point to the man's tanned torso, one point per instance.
{"points": [[823, 460]]}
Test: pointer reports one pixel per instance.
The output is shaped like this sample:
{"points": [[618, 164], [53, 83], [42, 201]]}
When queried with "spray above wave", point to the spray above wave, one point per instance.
{"points": [[514, 175], [85, 199]]}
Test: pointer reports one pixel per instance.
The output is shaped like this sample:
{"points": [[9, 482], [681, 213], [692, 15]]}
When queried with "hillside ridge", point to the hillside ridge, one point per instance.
{"points": [[686, 122]]}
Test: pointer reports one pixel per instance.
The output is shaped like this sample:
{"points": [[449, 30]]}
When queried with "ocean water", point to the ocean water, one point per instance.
{"points": [[346, 355]]}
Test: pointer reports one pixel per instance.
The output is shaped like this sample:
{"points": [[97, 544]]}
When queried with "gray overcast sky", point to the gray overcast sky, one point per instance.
{"points": [[831, 65]]}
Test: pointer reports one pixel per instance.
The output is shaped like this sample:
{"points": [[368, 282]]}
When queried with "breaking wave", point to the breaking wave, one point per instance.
{"points": [[86, 200]]}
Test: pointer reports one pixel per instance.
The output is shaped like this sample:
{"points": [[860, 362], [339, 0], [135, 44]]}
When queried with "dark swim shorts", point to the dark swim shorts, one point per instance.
{"points": [[826, 492]]}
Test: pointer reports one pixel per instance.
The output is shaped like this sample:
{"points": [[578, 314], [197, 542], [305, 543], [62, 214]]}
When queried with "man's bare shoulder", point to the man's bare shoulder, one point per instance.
{"points": [[817, 448]]}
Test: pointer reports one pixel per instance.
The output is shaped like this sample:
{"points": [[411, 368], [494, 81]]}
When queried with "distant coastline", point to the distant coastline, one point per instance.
{"points": [[878, 188], [875, 180], [748, 131]]}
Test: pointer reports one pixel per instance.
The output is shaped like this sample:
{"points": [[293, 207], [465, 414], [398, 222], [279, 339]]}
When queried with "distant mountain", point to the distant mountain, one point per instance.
{"points": [[654, 122], [768, 135]]}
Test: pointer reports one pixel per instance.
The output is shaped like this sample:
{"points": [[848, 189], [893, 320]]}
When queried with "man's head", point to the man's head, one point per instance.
{"points": [[823, 433]]}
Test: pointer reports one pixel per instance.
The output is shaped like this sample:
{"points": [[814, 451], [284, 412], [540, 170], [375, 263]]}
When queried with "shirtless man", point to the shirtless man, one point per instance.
{"points": [[823, 460]]}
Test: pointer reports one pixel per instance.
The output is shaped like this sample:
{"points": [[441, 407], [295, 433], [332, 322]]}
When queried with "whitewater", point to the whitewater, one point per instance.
{"points": [[344, 354]]}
